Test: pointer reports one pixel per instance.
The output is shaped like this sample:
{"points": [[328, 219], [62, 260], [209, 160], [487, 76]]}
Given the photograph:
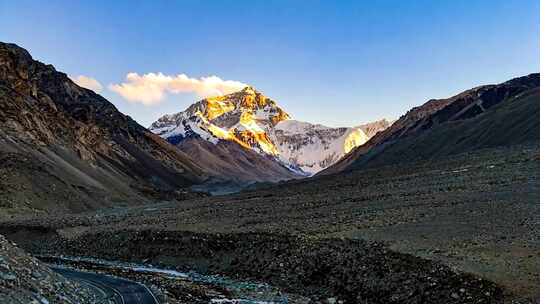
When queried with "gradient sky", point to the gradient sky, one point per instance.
{"points": [[338, 63]]}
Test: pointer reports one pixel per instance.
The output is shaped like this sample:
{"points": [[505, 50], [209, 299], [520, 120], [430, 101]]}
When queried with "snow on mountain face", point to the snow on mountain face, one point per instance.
{"points": [[256, 122], [246, 117], [314, 147]]}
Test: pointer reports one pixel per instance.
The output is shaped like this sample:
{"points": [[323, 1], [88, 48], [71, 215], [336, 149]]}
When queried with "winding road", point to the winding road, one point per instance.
{"points": [[117, 290]]}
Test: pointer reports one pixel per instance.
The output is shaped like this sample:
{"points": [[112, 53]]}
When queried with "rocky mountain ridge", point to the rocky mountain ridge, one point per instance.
{"points": [[455, 117]]}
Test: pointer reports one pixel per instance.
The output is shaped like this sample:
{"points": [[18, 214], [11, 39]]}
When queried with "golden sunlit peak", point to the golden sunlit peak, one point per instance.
{"points": [[250, 90], [250, 117], [217, 106]]}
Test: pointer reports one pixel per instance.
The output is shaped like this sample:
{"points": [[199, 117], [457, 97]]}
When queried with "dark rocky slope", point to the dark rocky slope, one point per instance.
{"points": [[230, 161], [66, 148], [486, 116]]}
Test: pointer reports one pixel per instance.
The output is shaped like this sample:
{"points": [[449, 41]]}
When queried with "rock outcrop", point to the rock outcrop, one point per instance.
{"points": [[24, 279]]}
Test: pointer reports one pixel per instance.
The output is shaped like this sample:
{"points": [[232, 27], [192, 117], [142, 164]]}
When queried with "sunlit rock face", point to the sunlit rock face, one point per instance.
{"points": [[256, 122], [246, 117]]}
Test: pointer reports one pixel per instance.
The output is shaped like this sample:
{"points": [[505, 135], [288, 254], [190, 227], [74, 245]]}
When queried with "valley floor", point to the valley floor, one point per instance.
{"points": [[474, 213]]}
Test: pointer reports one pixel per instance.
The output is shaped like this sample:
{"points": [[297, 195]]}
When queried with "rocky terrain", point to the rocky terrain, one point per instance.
{"points": [[474, 213], [24, 279], [66, 149], [183, 287], [351, 271], [486, 116]]}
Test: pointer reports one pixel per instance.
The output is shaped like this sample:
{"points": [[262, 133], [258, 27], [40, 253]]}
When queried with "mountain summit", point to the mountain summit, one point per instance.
{"points": [[257, 123], [246, 117]]}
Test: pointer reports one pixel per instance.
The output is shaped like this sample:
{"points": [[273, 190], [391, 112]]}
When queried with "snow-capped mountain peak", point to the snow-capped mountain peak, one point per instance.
{"points": [[256, 122], [245, 116]]}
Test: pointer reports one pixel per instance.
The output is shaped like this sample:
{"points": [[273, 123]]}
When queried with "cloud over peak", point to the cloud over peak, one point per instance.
{"points": [[151, 88], [87, 82]]}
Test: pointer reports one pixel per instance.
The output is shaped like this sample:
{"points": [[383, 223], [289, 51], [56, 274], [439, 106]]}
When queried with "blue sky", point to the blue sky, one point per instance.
{"points": [[339, 63]]}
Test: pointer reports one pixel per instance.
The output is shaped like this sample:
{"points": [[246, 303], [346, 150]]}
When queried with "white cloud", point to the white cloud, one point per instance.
{"points": [[151, 88], [87, 82]]}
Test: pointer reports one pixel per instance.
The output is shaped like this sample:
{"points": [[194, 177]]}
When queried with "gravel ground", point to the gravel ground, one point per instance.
{"points": [[476, 213]]}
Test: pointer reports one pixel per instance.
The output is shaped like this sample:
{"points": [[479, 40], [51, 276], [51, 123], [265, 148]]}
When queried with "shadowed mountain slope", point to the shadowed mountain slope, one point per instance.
{"points": [[231, 161], [66, 148], [483, 117]]}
